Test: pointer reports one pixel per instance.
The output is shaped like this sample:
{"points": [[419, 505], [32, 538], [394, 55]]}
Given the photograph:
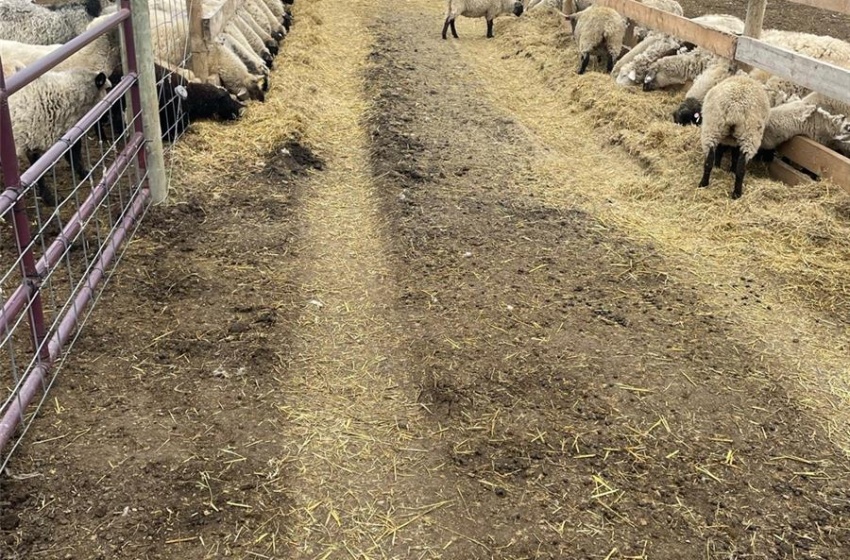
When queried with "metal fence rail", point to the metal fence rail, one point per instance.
{"points": [[54, 262]]}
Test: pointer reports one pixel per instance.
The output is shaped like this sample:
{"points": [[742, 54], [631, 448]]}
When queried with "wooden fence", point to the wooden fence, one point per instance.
{"points": [[748, 50], [203, 28]]}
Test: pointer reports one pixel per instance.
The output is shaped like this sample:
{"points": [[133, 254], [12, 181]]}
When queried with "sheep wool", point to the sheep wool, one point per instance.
{"points": [[599, 30], [804, 117], [633, 68], [692, 105], [735, 112], [678, 69], [26, 22], [42, 112], [487, 9]]}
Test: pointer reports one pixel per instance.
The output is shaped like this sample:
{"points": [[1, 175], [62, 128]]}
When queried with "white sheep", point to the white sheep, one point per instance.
{"points": [[488, 9], [101, 55], [277, 8], [634, 66], [26, 22], [261, 13], [43, 110], [806, 117], [255, 63], [735, 113], [598, 30], [258, 39], [678, 69]]}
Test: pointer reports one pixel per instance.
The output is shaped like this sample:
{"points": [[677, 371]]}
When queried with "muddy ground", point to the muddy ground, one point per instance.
{"points": [[383, 337]]}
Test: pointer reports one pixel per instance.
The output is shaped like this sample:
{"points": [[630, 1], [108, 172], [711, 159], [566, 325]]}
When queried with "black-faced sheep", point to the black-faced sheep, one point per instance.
{"points": [[820, 47], [488, 9], [42, 112], [735, 113], [26, 22], [183, 99], [598, 31]]}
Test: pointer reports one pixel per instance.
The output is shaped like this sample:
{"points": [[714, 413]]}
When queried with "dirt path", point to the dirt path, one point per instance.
{"points": [[408, 325], [357, 470]]}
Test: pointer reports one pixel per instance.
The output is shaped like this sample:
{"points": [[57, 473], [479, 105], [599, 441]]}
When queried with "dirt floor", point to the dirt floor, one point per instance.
{"points": [[438, 300]]}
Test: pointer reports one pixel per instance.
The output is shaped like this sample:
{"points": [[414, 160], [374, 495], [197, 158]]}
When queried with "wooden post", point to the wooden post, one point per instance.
{"points": [[753, 25], [200, 53], [755, 18], [154, 158]]}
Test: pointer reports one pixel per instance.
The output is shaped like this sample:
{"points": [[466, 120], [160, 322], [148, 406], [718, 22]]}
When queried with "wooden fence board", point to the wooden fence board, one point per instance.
{"points": [[817, 75], [215, 22], [818, 159], [781, 171]]}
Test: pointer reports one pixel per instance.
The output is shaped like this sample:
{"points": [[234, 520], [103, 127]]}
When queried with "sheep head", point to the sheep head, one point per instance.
{"points": [[689, 112]]}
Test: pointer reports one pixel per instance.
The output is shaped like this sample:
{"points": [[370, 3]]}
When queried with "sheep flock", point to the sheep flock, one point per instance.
{"points": [[240, 57], [769, 110]]}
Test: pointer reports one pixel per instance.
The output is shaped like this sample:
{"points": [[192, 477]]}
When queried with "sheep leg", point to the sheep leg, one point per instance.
{"points": [[585, 60], [610, 65], [75, 159], [450, 21], [736, 153], [489, 28], [740, 169], [707, 167], [718, 155], [44, 192]]}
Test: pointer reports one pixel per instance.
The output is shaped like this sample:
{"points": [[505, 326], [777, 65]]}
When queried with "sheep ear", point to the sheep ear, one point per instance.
{"points": [[633, 76], [100, 80]]}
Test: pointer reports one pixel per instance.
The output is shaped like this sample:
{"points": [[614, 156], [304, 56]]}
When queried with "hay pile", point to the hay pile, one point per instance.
{"points": [[235, 150], [801, 233]]}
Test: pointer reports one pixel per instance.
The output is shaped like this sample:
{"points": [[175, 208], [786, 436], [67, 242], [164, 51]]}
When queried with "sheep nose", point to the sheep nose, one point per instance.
{"points": [[648, 86]]}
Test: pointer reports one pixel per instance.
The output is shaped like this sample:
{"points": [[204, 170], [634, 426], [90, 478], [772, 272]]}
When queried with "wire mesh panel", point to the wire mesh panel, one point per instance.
{"points": [[66, 217], [170, 37]]}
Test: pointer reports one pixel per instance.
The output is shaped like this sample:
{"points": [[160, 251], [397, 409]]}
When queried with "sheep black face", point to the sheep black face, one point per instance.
{"points": [[205, 101], [287, 21], [688, 112], [518, 8], [93, 8]]}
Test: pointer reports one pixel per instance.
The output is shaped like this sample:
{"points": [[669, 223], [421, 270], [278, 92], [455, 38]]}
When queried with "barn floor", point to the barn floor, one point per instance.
{"points": [[436, 300]]}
